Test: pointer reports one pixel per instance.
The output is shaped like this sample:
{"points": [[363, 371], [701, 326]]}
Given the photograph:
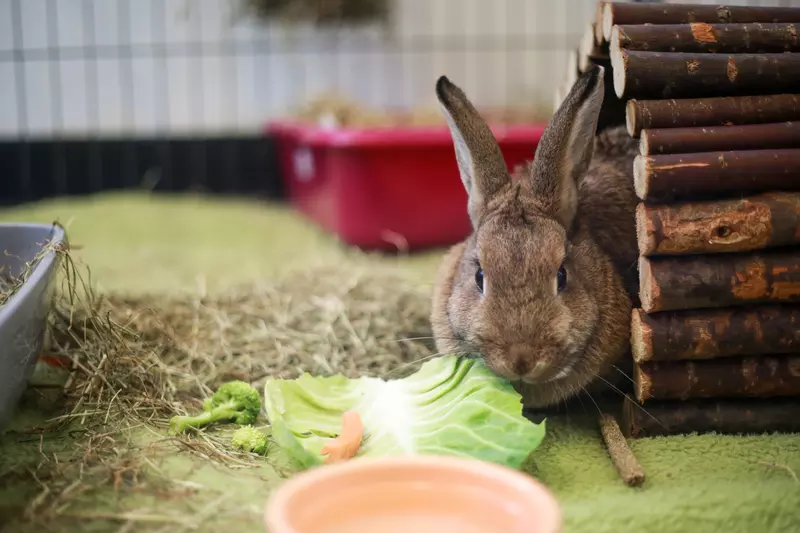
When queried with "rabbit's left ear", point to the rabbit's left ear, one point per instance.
{"points": [[480, 161], [565, 149]]}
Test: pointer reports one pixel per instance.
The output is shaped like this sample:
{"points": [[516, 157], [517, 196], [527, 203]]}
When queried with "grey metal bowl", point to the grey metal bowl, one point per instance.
{"points": [[23, 317]]}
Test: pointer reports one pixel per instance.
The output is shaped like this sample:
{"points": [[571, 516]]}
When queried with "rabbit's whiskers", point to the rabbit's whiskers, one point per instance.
{"points": [[618, 391]]}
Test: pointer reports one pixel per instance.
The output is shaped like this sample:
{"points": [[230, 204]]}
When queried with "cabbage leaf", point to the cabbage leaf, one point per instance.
{"points": [[451, 406]]}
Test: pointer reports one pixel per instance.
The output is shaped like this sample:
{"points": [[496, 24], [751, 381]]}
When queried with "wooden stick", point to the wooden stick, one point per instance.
{"points": [[590, 52], [728, 417], [624, 13], [715, 333], [758, 222], [621, 455], [612, 113], [671, 177], [599, 39], [722, 111], [719, 138], [676, 75], [722, 280], [700, 37], [766, 376]]}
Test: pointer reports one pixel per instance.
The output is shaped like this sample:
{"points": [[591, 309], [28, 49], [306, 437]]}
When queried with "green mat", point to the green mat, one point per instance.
{"points": [[141, 243]]}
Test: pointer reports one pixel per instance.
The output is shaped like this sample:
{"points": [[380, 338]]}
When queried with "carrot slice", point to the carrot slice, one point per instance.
{"points": [[346, 445]]}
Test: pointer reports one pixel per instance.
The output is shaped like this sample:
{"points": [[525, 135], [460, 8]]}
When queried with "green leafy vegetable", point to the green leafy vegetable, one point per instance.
{"points": [[234, 401], [451, 406]]}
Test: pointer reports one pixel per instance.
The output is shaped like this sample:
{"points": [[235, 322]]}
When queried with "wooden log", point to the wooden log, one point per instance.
{"points": [[715, 333], [624, 13], [766, 376], [727, 417], [612, 113], [719, 138], [671, 177], [677, 75], [599, 39], [722, 280], [700, 37], [721, 111], [590, 52], [767, 220]]}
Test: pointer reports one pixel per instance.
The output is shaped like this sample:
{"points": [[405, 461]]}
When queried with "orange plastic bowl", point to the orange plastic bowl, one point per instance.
{"points": [[419, 494]]}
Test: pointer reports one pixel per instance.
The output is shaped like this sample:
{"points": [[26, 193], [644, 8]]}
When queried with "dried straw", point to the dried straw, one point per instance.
{"points": [[153, 353], [340, 111], [9, 284]]}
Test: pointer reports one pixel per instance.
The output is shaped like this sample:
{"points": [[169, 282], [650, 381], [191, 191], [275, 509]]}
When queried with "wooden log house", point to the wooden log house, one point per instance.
{"points": [[712, 92]]}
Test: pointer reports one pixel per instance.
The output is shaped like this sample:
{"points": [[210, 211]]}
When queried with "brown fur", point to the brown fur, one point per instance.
{"points": [[573, 205]]}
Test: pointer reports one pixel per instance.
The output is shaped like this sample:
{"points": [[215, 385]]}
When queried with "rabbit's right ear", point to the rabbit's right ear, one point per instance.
{"points": [[480, 161]]}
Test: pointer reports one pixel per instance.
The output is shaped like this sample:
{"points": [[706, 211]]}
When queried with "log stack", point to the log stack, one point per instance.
{"points": [[713, 95]]}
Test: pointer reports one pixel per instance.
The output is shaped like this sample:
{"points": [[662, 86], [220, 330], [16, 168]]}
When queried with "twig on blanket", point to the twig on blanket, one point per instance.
{"points": [[625, 462]]}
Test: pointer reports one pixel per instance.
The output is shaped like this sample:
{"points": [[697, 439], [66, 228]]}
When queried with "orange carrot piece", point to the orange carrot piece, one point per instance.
{"points": [[346, 445]]}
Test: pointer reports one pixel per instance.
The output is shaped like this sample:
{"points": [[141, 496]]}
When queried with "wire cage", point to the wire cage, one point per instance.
{"points": [[175, 95]]}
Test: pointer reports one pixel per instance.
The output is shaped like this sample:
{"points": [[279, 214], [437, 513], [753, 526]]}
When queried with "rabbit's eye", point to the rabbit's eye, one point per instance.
{"points": [[479, 279], [562, 278]]}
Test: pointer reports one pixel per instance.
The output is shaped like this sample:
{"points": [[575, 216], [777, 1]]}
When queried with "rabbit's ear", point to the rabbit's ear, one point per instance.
{"points": [[565, 149], [480, 161]]}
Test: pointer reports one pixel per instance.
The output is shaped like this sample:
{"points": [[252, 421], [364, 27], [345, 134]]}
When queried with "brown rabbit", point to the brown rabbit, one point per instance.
{"points": [[539, 288]]}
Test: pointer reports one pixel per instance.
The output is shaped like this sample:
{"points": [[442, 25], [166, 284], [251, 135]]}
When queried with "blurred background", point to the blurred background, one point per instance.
{"points": [[177, 95]]}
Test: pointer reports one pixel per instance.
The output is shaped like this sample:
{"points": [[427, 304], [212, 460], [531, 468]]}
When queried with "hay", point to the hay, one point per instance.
{"points": [[136, 361], [153, 353], [339, 111], [9, 284]]}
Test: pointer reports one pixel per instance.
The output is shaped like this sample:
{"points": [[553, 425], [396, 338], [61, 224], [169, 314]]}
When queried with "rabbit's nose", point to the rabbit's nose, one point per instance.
{"points": [[524, 363], [521, 359]]}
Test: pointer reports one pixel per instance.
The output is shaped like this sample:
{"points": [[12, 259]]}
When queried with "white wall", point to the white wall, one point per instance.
{"points": [[215, 72]]}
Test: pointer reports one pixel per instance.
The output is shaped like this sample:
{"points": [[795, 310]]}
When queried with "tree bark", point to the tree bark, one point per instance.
{"points": [[700, 37], [677, 75], [765, 376], [715, 333], [721, 111], [723, 280], [758, 222], [728, 417], [719, 138], [676, 177], [616, 13]]}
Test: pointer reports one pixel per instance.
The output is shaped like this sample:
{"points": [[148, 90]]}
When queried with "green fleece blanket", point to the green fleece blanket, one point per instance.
{"points": [[694, 484]]}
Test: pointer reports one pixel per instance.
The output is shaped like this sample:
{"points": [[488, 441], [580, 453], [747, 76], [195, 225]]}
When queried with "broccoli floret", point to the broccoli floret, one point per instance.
{"points": [[234, 401], [249, 439]]}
